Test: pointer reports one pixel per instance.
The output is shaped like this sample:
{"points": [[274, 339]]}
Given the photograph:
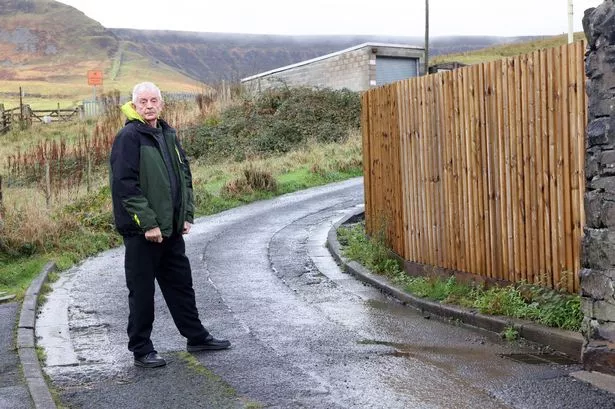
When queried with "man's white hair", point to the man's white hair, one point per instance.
{"points": [[142, 87]]}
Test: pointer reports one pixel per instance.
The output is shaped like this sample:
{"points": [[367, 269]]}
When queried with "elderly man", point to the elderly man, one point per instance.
{"points": [[151, 188]]}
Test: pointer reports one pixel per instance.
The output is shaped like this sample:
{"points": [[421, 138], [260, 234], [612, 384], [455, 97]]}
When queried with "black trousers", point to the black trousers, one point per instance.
{"points": [[167, 263]]}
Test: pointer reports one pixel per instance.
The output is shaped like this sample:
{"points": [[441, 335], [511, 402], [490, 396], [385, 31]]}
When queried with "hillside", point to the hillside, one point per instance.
{"points": [[213, 57], [46, 48], [504, 50]]}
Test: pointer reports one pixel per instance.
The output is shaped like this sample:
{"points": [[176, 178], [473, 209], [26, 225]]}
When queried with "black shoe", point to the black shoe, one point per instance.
{"points": [[210, 344], [150, 360]]}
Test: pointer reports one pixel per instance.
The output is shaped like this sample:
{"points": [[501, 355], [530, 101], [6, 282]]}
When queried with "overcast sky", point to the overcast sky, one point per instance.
{"points": [[377, 17]]}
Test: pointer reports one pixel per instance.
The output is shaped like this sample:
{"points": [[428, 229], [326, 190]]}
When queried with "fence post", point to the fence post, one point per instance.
{"points": [[88, 174], [47, 184]]}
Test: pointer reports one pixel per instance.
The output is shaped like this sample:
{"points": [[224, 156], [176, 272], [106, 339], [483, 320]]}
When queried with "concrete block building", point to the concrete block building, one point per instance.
{"points": [[357, 68]]}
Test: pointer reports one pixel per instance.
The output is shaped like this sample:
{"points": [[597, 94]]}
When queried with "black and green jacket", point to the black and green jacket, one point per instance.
{"points": [[140, 182]]}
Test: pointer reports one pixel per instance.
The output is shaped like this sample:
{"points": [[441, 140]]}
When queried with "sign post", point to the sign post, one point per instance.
{"points": [[95, 77]]}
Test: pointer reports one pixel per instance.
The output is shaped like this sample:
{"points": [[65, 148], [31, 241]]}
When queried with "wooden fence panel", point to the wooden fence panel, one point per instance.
{"points": [[480, 170]]}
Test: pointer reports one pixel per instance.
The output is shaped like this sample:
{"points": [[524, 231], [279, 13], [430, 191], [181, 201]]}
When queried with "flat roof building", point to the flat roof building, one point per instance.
{"points": [[357, 68]]}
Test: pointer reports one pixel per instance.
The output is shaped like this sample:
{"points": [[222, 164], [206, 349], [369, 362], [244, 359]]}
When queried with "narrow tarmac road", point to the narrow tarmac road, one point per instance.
{"points": [[304, 334]]}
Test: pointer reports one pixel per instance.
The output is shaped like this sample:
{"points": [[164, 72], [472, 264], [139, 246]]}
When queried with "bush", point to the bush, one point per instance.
{"points": [[277, 121], [253, 180]]}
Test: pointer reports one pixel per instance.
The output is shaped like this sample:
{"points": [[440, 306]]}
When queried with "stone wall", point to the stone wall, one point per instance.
{"points": [[598, 262], [354, 69]]}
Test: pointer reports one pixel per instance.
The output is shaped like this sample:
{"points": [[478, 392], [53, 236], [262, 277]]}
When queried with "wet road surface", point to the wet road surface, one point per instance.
{"points": [[304, 334]]}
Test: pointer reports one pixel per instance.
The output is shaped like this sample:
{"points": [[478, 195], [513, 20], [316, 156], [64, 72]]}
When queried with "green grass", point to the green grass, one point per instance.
{"points": [[16, 275], [217, 382], [507, 50], [510, 334], [525, 301]]}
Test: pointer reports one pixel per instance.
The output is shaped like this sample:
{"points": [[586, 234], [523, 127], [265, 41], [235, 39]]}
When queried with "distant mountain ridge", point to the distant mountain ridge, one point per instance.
{"points": [[48, 47], [212, 57]]}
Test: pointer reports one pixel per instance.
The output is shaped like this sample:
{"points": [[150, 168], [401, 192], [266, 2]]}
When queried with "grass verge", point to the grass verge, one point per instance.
{"points": [[523, 300]]}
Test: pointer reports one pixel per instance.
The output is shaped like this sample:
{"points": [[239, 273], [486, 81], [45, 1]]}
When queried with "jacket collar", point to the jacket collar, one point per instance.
{"points": [[132, 115]]}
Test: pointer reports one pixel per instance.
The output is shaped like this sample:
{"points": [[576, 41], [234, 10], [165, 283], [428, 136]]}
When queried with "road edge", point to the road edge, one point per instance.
{"points": [[26, 344], [567, 342]]}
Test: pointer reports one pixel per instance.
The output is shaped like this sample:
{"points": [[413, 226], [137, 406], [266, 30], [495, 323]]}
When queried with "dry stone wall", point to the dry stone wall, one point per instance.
{"points": [[598, 262]]}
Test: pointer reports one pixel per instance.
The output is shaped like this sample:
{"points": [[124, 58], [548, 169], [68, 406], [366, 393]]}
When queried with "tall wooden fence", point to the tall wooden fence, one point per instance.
{"points": [[480, 169]]}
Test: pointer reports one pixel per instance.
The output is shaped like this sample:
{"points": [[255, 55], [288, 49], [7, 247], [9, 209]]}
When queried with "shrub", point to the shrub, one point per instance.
{"points": [[277, 121], [253, 180]]}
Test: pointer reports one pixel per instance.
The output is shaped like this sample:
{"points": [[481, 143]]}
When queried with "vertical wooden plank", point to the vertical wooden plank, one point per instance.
{"points": [[518, 193], [434, 174], [538, 173], [454, 175], [413, 112], [551, 101], [438, 169], [385, 209], [393, 160], [531, 175], [566, 119], [495, 215], [484, 175], [458, 169], [403, 126], [401, 197], [501, 73], [467, 171], [477, 172], [366, 125], [487, 170], [559, 130], [387, 171], [527, 161], [440, 141], [394, 175], [475, 169], [422, 154], [512, 169], [424, 215], [427, 146], [546, 61], [429, 175], [381, 165], [375, 165], [466, 183], [447, 171]]}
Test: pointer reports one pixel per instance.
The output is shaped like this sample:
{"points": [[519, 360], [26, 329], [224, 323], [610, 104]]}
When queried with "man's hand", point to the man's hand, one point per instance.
{"points": [[154, 235], [187, 227]]}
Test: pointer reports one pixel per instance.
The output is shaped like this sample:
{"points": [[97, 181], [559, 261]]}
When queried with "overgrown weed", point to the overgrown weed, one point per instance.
{"points": [[75, 222]]}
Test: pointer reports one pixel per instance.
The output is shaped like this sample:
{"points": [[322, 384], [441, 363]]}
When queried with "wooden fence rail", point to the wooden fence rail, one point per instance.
{"points": [[26, 115], [7, 118], [481, 169]]}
